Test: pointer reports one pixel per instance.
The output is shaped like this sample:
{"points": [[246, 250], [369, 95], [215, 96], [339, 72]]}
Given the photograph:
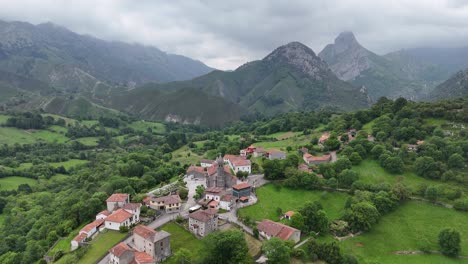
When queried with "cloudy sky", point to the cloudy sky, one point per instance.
{"points": [[226, 34]]}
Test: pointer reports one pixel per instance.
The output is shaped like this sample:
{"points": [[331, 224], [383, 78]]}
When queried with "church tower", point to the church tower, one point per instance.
{"points": [[220, 178]]}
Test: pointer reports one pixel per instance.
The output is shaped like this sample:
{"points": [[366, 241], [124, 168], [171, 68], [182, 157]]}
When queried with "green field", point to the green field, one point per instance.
{"points": [[435, 121], [67, 120], [144, 125], [403, 229], [371, 172], [89, 123], [12, 183], [50, 136], [11, 135], [69, 163], [185, 156], [181, 238], [88, 141], [368, 127], [100, 246], [58, 129], [289, 199]]}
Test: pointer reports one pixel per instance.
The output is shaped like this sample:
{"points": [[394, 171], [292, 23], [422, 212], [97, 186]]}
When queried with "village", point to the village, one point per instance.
{"points": [[228, 184]]}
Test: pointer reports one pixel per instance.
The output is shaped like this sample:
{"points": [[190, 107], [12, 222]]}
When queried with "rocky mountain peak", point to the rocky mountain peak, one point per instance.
{"points": [[300, 57], [345, 40]]}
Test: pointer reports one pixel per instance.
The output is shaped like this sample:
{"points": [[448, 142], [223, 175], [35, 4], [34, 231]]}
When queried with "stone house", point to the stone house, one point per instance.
{"points": [[169, 203], [116, 201], [154, 243], [203, 222], [276, 154], [123, 254], [119, 218]]}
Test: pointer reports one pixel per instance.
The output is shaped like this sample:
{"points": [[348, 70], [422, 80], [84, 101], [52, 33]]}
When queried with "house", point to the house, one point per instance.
{"points": [[205, 163], [197, 172], [227, 201], [214, 193], [324, 138], [242, 190], [351, 134], [276, 154], [203, 222], [310, 159], [123, 254], [169, 203], [303, 150], [133, 208], [78, 240], [248, 151], [156, 244], [213, 204], [119, 218], [288, 215], [91, 228], [238, 163], [116, 201], [219, 175], [269, 229], [103, 214], [259, 152]]}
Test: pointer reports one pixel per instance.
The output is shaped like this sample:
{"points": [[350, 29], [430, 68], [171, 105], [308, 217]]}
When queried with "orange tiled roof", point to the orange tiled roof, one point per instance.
{"points": [[276, 229], [203, 215], [105, 212], [119, 249], [242, 185], [92, 225], [119, 216], [289, 213], [144, 231], [143, 258], [80, 237], [118, 197]]}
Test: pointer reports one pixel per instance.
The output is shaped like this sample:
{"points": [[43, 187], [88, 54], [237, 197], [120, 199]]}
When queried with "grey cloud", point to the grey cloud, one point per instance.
{"points": [[226, 34]]}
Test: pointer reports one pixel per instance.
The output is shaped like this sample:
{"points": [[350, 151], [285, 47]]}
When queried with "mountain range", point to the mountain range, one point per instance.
{"points": [[51, 68]]}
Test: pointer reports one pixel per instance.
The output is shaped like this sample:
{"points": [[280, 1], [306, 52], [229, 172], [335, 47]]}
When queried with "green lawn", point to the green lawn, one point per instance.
{"points": [[435, 121], [181, 238], [185, 156], [11, 183], [101, 245], [370, 172], [50, 136], [403, 229], [11, 135], [289, 199], [144, 125], [88, 141], [58, 129], [89, 123], [69, 163], [284, 135], [67, 120]]}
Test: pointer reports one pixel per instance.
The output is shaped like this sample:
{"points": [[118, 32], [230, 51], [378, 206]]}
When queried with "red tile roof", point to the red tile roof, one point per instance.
{"points": [[324, 137], [241, 162], [147, 200], [92, 225], [207, 161], [119, 249], [214, 190], [169, 199], [242, 185], [227, 197], [80, 237], [213, 203], [310, 157], [118, 197], [289, 213], [105, 212], [144, 232], [131, 206], [276, 229], [198, 169], [143, 258], [244, 198], [119, 216], [203, 215]]}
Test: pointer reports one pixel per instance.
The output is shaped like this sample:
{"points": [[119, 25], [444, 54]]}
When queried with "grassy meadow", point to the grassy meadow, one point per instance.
{"points": [[144, 125], [181, 238], [405, 229], [287, 199], [100, 246], [12, 183]]}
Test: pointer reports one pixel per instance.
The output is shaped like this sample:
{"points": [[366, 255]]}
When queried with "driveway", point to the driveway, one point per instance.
{"points": [[257, 180]]}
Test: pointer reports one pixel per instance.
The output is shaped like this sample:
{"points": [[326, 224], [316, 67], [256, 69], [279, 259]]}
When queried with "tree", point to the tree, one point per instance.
{"points": [[449, 242], [297, 221], [332, 144], [377, 150], [456, 161], [347, 177], [255, 232], [276, 251], [355, 158], [199, 190], [361, 216], [393, 164], [315, 218], [342, 164], [226, 247], [183, 193], [431, 193], [426, 167]]}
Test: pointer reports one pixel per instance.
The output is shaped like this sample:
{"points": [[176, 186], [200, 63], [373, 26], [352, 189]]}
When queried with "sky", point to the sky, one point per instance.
{"points": [[226, 34]]}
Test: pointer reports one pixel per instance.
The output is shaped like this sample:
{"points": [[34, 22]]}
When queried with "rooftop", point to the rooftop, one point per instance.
{"points": [[169, 199], [131, 206], [119, 216], [92, 225], [118, 197], [276, 229], [105, 212], [203, 215], [80, 237], [143, 258], [119, 249], [242, 185], [214, 190]]}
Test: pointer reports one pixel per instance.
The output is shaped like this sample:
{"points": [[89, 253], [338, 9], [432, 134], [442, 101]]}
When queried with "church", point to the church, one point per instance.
{"points": [[219, 175]]}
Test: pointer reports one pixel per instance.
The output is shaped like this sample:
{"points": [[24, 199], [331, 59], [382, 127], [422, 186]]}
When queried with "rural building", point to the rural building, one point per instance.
{"points": [[242, 190], [119, 218], [123, 254], [203, 222], [324, 138], [259, 152], [276, 154], [214, 193], [154, 243], [248, 151], [205, 163], [197, 172], [227, 201], [310, 159], [78, 240], [169, 203], [103, 214], [269, 229], [288, 215], [116, 201], [304, 167], [238, 163]]}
